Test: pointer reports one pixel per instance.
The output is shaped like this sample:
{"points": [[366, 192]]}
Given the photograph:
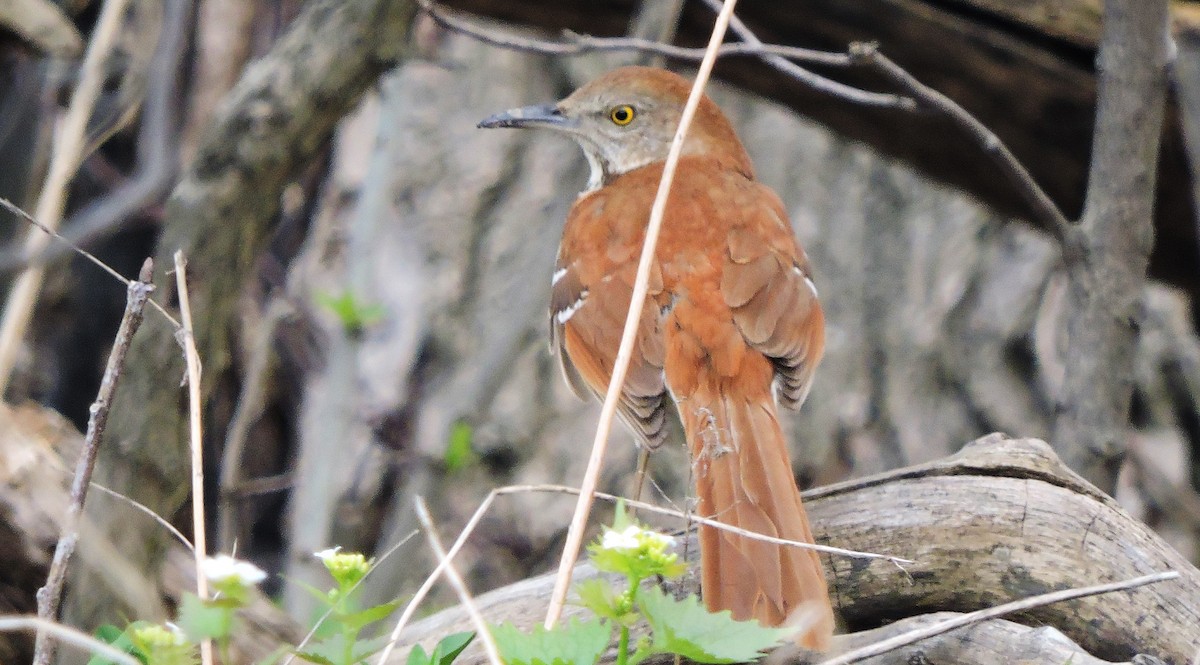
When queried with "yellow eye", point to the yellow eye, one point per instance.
{"points": [[621, 115]]}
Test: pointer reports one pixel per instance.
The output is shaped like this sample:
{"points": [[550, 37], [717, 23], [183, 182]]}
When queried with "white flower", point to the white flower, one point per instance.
{"points": [[224, 568], [326, 555], [626, 539]]}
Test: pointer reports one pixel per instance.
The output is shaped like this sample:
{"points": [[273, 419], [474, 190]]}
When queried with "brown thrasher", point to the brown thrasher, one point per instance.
{"points": [[731, 324]]}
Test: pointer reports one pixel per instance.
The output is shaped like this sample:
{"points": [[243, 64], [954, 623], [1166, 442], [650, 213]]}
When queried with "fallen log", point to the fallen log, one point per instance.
{"points": [[1001, 520]]}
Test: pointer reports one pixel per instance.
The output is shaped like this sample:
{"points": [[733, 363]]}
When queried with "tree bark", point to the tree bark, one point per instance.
{"points": [[1109, 251], [1002, 520], [221, 214]]}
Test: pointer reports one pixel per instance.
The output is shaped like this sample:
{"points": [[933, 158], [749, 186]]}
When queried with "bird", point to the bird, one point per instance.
{"points": [[732, 326]]}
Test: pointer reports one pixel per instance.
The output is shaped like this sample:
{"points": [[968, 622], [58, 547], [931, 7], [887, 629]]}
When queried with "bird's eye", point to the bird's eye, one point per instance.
{"points": [[621, 115]]}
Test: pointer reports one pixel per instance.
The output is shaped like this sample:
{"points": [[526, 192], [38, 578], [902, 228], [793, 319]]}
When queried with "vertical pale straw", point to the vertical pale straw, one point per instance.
{"points": [[197, 442], [584, 506], [65, 159]]}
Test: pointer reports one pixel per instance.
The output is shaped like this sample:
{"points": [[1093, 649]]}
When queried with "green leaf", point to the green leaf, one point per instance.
{"points": [[201, 620], [686, 628], [450, 646], [354, 314], [418, 656], [357, 620], [577, 643], [602, 598], [459, 454], [331, 651], [117, 639]]}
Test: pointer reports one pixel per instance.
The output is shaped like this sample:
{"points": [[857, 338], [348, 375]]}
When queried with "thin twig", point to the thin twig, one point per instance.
{"points": [[146, 509], [692, 518], [16, 210], [456, 581], [819, 83], [66, 635], [625, 351], [917, 96], [898, 641], [777, 56], [188, 340], [427, 585], [49, 597], [1043, 208], [68, 149], [580, 44]]}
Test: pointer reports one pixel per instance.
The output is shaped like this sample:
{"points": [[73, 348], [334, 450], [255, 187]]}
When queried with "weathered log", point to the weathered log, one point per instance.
{"points": [[1001, 520]]}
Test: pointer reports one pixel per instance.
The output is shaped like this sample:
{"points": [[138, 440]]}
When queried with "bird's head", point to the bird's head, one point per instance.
{"points": [[626, 119]]}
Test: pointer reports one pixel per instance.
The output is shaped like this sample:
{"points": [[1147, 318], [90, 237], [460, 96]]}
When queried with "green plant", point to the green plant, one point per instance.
{"points": [[354, 314], [342, 644], [232, 583], [459, 453], [681, 627], [444, 653]]}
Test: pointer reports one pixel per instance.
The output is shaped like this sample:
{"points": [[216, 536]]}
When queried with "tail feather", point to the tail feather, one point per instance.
{"points": [[744, 479]]}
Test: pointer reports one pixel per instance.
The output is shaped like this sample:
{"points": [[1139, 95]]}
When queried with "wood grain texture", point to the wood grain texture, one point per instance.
{"points": [[1001, 520]]}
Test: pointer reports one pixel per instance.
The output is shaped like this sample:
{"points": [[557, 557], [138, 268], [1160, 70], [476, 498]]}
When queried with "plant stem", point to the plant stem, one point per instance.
{"points": [[623, 647]]}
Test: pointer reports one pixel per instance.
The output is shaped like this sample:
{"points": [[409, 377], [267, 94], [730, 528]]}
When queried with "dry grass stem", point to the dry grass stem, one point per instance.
{"points": [[49, 597], [66, 635], [992, 613], [67, 154], [188, 340], [640, 286], [460, 587], [427, 585]]}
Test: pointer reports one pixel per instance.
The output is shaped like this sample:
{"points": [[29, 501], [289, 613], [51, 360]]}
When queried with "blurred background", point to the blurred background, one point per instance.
{"points": [[371, 272]]}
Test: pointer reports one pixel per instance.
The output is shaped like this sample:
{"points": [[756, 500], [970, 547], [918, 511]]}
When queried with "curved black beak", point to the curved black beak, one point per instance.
{"points": [[539, 115]]}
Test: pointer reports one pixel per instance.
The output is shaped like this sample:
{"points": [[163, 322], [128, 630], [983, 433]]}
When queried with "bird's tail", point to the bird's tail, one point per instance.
{"points": [[744, 478]]}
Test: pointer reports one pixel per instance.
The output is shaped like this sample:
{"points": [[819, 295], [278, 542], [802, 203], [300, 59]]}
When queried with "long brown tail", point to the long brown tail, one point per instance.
{"points": [[744, 479]]}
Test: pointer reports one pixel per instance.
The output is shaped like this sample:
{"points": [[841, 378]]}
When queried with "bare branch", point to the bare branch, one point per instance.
{"points": [[1044, 209], [917, 96], [816, 82], [777, 56], [49, 597]]}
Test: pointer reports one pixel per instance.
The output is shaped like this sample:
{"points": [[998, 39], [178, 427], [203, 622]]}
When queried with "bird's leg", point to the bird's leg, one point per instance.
{"points": [[639, 478]]}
